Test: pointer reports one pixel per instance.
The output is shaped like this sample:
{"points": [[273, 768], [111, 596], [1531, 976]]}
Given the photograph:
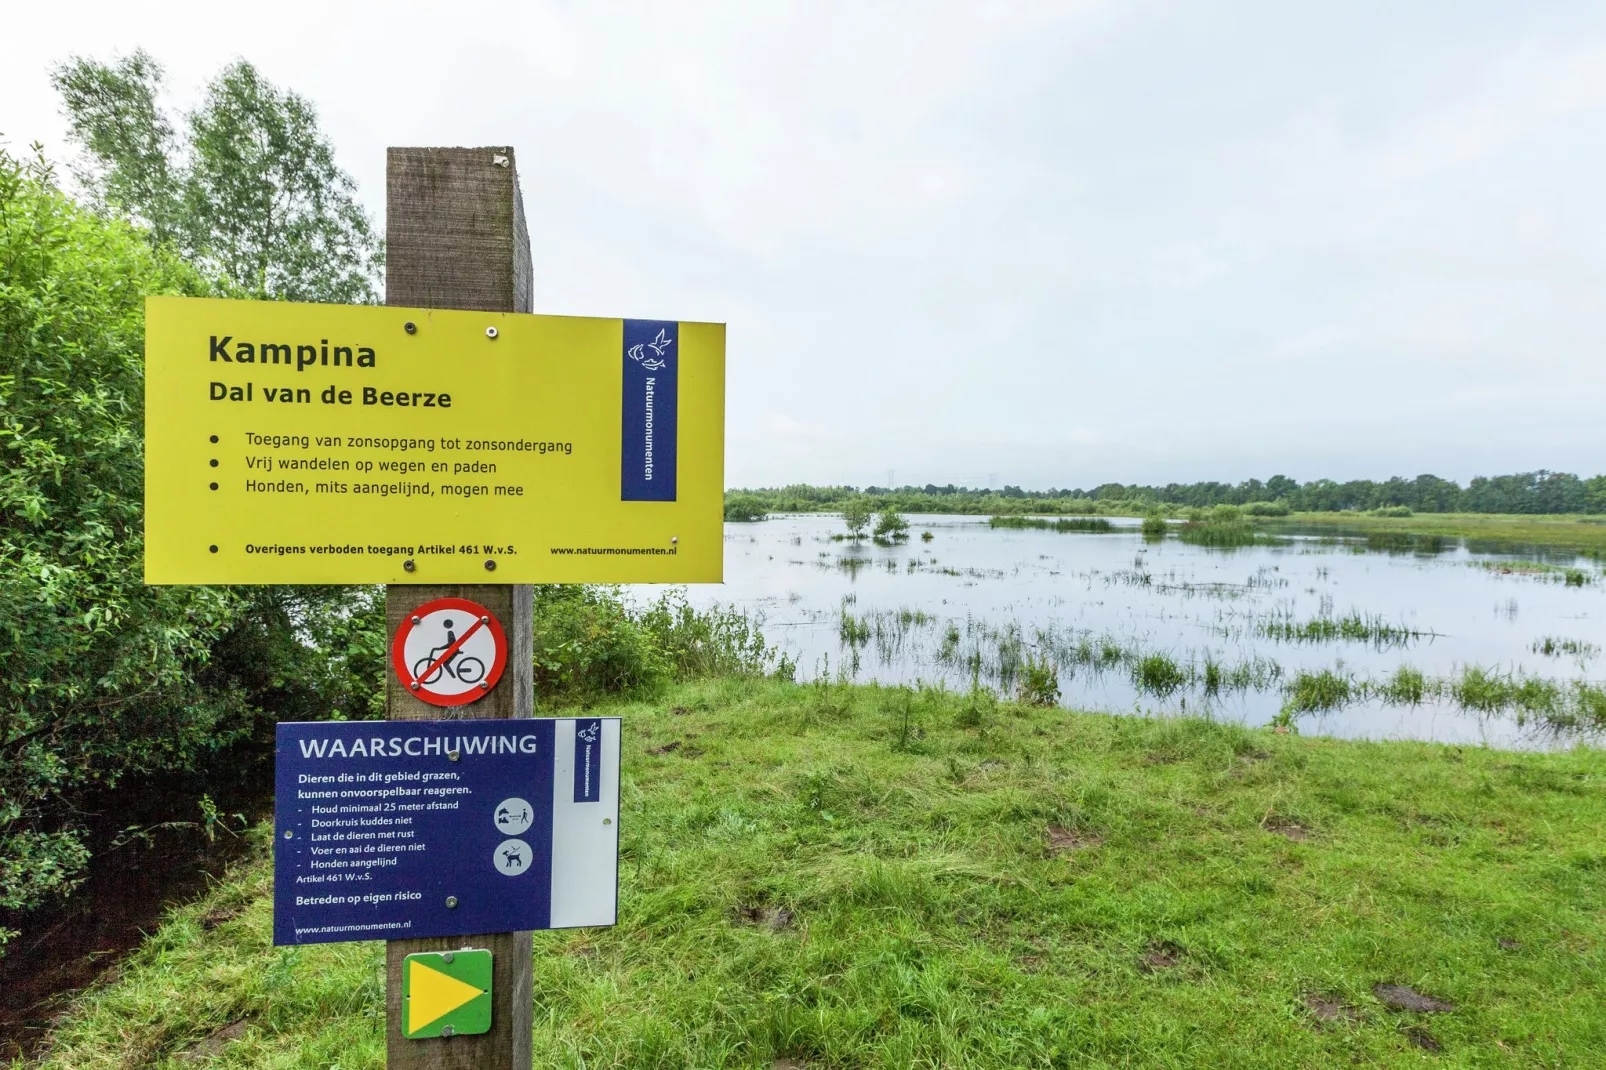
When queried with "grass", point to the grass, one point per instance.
{"points": [[1572, 577], [1487, 532], [1563, 706], [1354, 627], [1064, 523], [1042, 888]]}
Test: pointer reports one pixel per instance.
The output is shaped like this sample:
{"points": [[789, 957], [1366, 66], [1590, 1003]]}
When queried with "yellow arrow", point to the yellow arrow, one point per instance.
{"points": [[432, 994]]}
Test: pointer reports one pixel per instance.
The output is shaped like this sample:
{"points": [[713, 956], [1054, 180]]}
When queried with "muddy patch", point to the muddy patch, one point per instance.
{"points": [[1406, 998], [1418, 1037], [1287, 828], [215, 1042], [1063, 841], [1162, 955], [1508, 944], [1328, 1010], [681, 747], [775, 919]]}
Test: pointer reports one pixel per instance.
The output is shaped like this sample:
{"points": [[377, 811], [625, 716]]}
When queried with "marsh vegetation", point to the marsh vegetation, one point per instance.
{"points": [[1380, 634]]}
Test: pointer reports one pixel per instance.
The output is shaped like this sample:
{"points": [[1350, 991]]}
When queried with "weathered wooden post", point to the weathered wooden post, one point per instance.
{"points": [[455, 239]]}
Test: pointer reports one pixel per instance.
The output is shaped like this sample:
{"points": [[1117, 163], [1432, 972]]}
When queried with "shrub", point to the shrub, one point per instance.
{"points": [[1266, 509], [99, 681], [1039, 682], [890, 527], [590, 642], [1154, 525], [744, 509], [856, 514], [586, 643]]}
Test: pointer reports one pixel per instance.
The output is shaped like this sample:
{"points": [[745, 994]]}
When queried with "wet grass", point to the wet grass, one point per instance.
{"points": [[1493, 533], [1552, 647], [1572, 577], [989, 886], [1563, 706], [1093, 524], [1353, 627]]}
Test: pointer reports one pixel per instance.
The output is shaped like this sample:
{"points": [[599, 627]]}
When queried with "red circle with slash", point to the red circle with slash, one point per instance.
{"points": [[449, 652]]}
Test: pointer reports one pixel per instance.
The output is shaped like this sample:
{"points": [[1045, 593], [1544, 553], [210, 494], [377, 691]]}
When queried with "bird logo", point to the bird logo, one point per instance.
{"points": [[589, 735], [659, 347]]}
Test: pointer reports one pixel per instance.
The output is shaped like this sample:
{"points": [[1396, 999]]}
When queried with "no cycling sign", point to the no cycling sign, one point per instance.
{"points": [[450, 652]]}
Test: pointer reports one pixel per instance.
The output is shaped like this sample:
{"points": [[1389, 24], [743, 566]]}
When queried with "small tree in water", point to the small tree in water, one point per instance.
{"points": [[890, 527], [856, 514]]}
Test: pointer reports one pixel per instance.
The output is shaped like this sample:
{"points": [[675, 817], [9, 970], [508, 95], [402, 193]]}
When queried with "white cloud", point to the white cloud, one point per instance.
{"points": [[1061, 242]]}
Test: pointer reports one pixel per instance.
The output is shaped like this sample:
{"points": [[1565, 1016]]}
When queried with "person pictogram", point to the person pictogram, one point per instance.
{"points": [[465, 668]]}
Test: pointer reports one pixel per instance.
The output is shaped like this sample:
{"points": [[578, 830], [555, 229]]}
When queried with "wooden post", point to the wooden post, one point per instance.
{"points": [[455, 238]]}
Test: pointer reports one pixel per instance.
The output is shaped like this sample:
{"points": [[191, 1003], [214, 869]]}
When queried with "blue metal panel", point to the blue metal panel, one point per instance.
{"points": [[385, 830], [650, 418]]}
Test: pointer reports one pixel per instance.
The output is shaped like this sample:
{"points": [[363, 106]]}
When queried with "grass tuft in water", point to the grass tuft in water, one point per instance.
{"points": [[1096, 524], [1352, 627]]}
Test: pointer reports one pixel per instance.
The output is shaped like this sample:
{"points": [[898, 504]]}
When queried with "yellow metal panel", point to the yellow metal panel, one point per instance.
{"points": [[507, 449]]}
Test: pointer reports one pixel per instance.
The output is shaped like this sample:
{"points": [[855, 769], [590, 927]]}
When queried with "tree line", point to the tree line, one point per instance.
{"points": [[1524, 492]]}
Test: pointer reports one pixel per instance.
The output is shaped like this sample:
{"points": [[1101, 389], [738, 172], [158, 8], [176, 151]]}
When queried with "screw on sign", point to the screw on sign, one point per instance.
{"points": [[449, 652]]}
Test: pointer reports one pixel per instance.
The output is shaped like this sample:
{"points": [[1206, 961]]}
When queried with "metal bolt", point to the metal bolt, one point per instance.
{"points": [[410, 327], [453, 755], [485, 685], [490, 566], [607, 821], [408, 565], [413, 685], [451, 902], [673, 539], [490, 332], [417, 621], [448, 1031], [485, 620], [289, 835], [447, 956]]}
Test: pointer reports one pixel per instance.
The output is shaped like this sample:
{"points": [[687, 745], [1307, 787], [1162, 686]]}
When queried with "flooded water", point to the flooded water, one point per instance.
{"points": [[977, 604]]}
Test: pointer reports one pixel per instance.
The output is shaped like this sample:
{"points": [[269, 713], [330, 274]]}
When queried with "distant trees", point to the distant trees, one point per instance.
{"points": [[744, 508], [1523, 492]]}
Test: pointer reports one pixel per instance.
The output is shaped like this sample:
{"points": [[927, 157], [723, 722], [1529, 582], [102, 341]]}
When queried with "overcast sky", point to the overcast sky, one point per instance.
{"points": [[1041, 244]]}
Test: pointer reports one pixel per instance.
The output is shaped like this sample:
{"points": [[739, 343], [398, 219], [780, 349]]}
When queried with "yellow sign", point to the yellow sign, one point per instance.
{"points": [[293, 443]]}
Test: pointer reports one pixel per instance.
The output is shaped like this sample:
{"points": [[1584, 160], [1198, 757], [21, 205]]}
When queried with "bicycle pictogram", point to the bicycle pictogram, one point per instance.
{"points": [[449, 652]]}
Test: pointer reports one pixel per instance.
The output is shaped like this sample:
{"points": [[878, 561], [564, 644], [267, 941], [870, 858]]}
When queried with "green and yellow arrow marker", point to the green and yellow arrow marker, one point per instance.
{"points": [[446, 993]]}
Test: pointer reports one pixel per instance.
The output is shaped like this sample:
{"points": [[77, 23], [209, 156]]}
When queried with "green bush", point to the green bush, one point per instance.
{"points": [[1039, 682], [99, 667], [590, 642], [108, 679], [890, 527], [1266, 509], [1154, 525], [744, 509]]}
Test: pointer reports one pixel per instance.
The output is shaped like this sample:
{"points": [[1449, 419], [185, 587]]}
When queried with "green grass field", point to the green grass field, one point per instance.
{"points": [[1586, 534], [868, 877]]}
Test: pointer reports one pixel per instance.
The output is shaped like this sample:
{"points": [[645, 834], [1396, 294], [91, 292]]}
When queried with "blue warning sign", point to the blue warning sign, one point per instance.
{"points": [[386, 830]]}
